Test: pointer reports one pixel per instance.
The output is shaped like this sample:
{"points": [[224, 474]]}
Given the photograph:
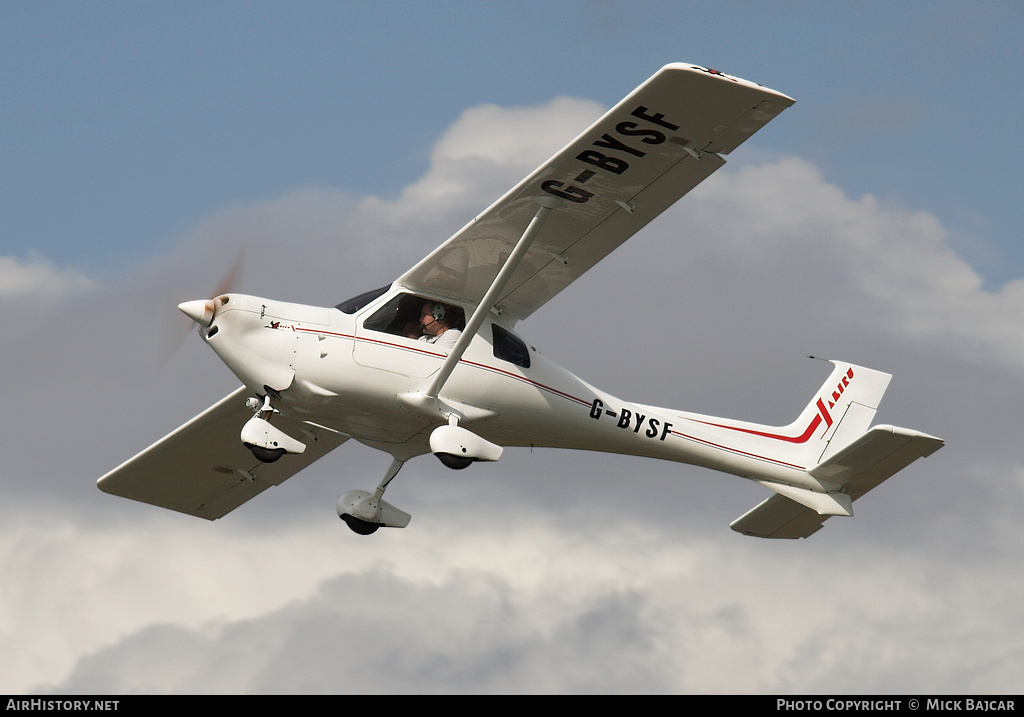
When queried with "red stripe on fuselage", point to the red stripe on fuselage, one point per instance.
{"points": [[802, 438]]}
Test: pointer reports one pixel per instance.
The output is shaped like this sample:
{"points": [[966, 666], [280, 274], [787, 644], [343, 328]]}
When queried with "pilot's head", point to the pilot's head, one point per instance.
{"points": [[434, 319]]}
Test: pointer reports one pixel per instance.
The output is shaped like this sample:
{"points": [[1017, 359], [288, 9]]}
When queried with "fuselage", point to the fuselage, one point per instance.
{"points": [[354, 372]]}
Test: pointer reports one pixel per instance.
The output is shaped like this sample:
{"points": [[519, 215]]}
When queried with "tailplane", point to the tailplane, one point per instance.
{"points": [[847, 458]]}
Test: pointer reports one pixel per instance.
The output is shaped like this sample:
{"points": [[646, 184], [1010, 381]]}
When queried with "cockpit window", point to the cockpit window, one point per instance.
{"points": [[509, 347], [355, 304], [401, 316]]}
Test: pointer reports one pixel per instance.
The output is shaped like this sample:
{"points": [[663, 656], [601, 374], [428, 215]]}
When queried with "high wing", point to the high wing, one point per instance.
{"points": [[203, 469], [644, 154]]}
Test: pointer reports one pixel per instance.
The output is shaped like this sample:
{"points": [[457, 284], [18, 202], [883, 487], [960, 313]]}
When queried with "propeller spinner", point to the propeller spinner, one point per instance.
{"points": [[201, 311]]}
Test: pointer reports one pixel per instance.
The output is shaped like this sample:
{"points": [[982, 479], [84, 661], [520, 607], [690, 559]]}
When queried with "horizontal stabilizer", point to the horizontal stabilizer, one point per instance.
{"points": [[863, 464], [779, 517], [873, 457]]}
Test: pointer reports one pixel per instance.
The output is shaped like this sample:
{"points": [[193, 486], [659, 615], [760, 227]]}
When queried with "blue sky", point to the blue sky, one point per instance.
{"points": [[126, 123], [876, 221]]}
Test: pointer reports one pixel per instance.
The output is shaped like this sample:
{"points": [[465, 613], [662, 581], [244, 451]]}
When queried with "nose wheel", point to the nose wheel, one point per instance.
{"points": [[266, 442], [365, 512]]}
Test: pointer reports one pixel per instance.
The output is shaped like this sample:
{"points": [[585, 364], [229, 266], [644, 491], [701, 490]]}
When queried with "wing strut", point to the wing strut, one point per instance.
{"points": [[491, 297]]}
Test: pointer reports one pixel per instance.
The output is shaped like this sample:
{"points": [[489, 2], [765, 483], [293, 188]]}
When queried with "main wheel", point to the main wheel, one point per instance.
{"points": [[453, 461], [359, 526], [267, 455]]}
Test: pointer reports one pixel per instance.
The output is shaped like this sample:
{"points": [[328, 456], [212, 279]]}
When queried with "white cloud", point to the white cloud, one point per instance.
{"points": [[904, 274], [488, 150], [531, 608], [38, 277], [546, 571]]}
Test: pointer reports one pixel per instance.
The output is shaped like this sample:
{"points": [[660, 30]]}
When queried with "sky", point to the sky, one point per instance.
{"points": [[144, 145]]}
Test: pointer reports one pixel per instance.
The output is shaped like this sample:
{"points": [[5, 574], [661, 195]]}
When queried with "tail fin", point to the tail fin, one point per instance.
{"points": [[845, 405], [838, 413]]}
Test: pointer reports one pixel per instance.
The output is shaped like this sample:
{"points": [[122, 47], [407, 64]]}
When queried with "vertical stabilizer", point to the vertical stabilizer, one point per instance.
{"points": [[841, 410]]}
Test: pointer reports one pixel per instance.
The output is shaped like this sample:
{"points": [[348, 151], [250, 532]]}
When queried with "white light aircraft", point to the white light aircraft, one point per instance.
{"points": [[431, 363]]}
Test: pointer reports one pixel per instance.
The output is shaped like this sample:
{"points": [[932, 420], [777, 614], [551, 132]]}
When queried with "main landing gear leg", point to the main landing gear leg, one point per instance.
{"points": [[364, 512], [267, 442]]}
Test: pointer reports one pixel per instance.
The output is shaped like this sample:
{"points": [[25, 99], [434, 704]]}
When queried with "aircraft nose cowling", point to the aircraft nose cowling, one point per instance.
{"points": [[199, 311]]}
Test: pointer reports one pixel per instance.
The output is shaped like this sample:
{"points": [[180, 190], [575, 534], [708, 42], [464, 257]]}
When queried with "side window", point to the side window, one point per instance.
{"points": [[510, 348]]}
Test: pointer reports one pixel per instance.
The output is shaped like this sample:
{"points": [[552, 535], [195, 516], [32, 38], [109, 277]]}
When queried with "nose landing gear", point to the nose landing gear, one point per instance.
{"points": [[365, 512]]}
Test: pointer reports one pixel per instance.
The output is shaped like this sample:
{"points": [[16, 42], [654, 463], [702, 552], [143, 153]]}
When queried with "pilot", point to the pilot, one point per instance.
{"points": [[436, 329]]}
